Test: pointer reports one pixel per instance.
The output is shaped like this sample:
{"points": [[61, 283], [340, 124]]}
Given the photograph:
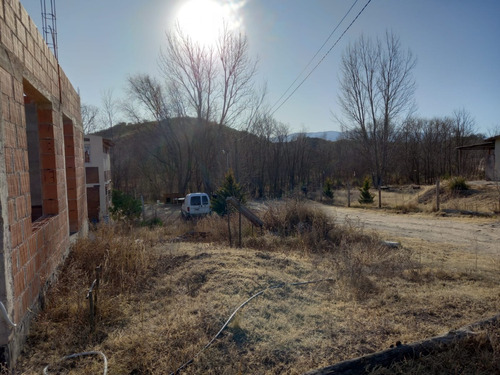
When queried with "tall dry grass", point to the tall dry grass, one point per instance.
{"points": [[359, 258], [122, 256], [63, 326], [166, 291]]}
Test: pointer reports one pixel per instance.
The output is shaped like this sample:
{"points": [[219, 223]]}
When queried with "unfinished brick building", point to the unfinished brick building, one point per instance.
{"points": [[42, 176]]}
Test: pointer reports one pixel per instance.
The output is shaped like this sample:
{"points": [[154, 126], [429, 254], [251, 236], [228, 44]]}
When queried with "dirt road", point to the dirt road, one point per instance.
{"points": [[469, 234]]}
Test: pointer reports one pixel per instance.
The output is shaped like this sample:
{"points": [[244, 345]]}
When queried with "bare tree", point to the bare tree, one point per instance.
{"points": [[110, 109], [494, 130], [256, 153], [463, 126], [148, 96], [90, 118], [410, 149], [376, 92], [215, 82], [189, 69], [212, 83], [238, 73]]}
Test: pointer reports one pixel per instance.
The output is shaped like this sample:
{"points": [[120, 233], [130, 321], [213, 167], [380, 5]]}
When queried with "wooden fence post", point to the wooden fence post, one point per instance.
{"points": [[239, 218], [348, 194], [90, 297], [98, 271], [91, 310], [229, 224], [437, 194]]}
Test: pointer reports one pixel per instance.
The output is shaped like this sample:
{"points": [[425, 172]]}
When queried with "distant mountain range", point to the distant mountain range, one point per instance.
{"points": [[330, 135]]}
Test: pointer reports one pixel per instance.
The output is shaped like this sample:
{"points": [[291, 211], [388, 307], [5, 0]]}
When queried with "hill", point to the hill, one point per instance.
{"points": [[330, 135]]}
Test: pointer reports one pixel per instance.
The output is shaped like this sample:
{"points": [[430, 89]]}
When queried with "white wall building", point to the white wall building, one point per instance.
{"points": [[98, 177]]}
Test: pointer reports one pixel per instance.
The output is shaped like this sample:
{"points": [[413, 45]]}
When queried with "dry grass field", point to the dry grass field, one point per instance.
{"points": [[167, 291], [481, 198]]}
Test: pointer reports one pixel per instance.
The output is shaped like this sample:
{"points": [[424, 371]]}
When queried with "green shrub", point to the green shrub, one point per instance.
{"points": [[154, 222], [328, 188], [230, 188], [124, 205], [365, 197], [457, 184]]}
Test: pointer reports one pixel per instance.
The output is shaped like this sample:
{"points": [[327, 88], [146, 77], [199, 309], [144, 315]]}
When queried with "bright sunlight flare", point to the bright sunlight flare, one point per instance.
{"points": [[203, 19]]}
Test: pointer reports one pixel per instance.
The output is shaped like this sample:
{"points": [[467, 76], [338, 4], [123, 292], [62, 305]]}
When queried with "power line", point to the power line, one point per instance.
{"points": [[316, 54], [323, 58]]}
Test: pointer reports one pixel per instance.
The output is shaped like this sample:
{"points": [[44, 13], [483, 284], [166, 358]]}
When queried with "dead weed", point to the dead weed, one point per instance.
{"points": [[162, 300]]}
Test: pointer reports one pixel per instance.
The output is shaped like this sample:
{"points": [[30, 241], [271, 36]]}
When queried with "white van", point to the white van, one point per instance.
{"points": [[195, 204]]}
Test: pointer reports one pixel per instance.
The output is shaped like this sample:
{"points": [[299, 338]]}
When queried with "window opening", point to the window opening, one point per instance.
{"points": [[41, 153]]}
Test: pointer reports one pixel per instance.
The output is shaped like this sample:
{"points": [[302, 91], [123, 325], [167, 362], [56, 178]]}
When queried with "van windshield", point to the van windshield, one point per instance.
{"points": [[196, 200]]}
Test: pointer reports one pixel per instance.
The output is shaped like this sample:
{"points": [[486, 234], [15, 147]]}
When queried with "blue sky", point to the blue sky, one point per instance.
{"points": [[456, 42]]}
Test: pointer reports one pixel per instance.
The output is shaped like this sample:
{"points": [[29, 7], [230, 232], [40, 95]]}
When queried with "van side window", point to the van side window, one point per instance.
{"points": [[204, 199], [196, 200]]}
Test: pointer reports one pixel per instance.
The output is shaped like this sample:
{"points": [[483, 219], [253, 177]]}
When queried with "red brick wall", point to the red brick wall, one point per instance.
{"points": [[34, 249]]}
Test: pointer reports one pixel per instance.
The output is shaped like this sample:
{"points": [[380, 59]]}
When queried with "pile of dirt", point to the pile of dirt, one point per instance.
{"points": [[480, 198]]}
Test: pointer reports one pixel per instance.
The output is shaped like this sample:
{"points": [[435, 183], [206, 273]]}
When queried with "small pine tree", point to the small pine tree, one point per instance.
{"points": [[328, 188], [230, 188], [365, 197], [125, 205]]}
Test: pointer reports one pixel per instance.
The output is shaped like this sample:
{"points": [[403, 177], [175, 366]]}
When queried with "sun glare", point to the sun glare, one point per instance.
{"points": [[203, 19]]}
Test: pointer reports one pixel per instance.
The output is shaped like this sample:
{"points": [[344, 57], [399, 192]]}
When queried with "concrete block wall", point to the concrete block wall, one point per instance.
{"points": [[32, 246]]}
